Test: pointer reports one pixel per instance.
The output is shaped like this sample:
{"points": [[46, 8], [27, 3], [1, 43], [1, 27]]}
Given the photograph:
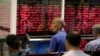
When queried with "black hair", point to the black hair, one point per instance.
{"points": [[12, 41], [24, 40], [74, 38]]}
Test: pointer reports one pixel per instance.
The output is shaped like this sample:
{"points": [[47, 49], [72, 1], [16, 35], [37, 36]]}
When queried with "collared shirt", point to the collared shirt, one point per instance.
{"points": [[57, 43], [93, 45], [75, 53]]}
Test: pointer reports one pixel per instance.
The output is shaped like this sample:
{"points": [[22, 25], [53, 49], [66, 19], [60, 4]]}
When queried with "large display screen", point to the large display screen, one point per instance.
{"points": [[84, 19], [81, 15], [36, 15]]}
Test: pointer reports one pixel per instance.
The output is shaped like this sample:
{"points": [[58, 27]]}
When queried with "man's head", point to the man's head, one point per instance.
{"points": [[57, 24], [96, 30], [73, 40], [12, 42]]}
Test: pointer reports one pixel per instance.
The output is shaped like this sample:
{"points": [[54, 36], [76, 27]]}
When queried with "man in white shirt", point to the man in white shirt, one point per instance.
{"points": [[72, 44]]}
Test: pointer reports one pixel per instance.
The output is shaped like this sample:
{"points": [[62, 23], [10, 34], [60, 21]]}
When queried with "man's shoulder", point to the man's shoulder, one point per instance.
{"points": [[60, 34], [55, 36], [70, 54], [85, 54], [94, 42], [65, 54], [93, 45]]}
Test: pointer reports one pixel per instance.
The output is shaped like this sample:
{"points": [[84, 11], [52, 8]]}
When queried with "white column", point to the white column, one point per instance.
{"points": [[13, 16], [62, 9]]}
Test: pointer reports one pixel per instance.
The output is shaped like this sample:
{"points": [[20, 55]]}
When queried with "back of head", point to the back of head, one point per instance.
{"points": [[96, 28], [12, 41], [73, 38]]}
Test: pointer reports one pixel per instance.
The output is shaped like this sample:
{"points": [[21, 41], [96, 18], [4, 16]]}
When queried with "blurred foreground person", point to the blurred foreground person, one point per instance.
{"points": [[94, 45], [57, 43], [13, 43], [72, 44], [24, 43]]}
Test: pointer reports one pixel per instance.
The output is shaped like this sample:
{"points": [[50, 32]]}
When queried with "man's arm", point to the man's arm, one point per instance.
{"points": [[53, 45], [90, 47], [87, 47]]}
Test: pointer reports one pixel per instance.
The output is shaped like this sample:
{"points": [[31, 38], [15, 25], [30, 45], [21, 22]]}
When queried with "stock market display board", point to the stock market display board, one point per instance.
{"points": [[81, 17], [33, 17], [82, 22]]}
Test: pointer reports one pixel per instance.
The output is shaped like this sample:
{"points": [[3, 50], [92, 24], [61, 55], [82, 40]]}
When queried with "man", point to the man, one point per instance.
{"points": [[13, 45], [57, 43], [24, 44], [95, 44], [72, 44]]}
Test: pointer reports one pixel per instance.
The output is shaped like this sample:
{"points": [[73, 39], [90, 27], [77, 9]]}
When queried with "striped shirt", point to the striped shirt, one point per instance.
{"points": [[93, 45]]}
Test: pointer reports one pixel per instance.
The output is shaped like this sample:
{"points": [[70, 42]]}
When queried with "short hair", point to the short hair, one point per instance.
{"points": [[12, 41], [60, 21], [96, 27], [24, 40], [74, 38]]}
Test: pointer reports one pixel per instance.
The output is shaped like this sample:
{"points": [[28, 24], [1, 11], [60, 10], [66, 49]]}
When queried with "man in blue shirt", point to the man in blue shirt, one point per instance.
{"points": [[57, 43]]}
